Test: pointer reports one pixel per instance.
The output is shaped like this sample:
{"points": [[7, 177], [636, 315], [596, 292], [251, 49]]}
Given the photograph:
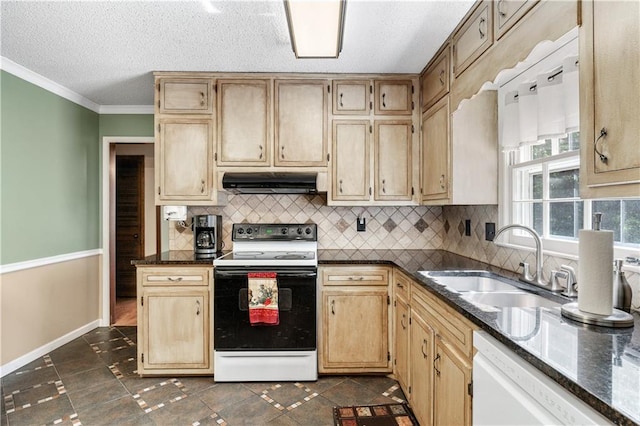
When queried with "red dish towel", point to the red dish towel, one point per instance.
{"points": [[263, 298]]}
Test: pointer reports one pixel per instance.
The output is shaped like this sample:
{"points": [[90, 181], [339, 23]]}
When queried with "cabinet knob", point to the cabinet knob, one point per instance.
{"points": [[424, 343], [135, 235], [383, 102], [442, 181], [202, 99], [404, 327], [282, 152], [175, 280], [202, 186], [333, 307], [434, 365], [384, 191], [197, 307], [341, 186], [442, 77], [500, 11], [261, 150], [341, 100]]}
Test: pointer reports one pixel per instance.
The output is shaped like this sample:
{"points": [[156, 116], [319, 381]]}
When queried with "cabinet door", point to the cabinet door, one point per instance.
{"points": [[393, 160], [184, 160], [393, 97], [244, 119], [610, 89], [421, 359], [350, 180], [435, 151], [473, 38], [351, 97], [401, 339], [508, 12], [301, 122], [185, 96], [176, 328], [452, 380], [435, 81], [355, 328]]}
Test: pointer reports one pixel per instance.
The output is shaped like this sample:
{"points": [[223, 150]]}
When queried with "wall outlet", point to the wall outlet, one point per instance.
{"points": [[489, 231], [361, 224], [467, 227]]}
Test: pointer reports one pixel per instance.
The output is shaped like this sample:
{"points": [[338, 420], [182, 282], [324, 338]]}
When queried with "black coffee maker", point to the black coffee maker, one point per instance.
{"points": [[207, 235]]}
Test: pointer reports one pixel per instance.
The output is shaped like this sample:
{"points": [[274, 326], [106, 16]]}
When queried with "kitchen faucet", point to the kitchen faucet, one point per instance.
{"points": [[538, 278]]}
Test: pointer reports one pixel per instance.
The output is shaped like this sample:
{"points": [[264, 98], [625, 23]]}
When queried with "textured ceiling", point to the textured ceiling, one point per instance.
{"points": [[106, 51]]}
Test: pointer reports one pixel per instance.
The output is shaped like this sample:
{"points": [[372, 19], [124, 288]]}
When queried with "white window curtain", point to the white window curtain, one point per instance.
{"points": [[545, 108]]}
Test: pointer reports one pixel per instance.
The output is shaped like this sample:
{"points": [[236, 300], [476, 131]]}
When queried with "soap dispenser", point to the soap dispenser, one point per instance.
{"points": [[621, 288]]}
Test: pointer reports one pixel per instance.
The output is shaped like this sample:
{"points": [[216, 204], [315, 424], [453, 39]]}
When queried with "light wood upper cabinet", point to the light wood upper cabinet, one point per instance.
{"points": [[435, 152], [301, 122], [184, 161], [393, 97], [185, 96], [435, 80], [393, 159], [244, 122], [473, 38], [351, 97], [507, 12], [354, 327], [609, 93], [351, 158], [174, 320]]}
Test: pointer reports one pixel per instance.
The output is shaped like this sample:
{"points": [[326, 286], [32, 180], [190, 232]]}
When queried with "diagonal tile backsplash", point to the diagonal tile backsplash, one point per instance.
{"points": [[412, 227], [417, 227]]}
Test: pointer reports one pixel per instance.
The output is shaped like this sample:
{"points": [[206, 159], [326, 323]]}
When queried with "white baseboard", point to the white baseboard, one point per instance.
{"points": [[45, 349]]}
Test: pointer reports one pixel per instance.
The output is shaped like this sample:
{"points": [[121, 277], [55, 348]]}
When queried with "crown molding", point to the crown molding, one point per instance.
{"points": [[38, 80], [34, 78], [126, 109]]}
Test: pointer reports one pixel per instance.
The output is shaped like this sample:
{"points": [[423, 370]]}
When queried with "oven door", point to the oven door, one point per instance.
{"points": [[297, 311]]}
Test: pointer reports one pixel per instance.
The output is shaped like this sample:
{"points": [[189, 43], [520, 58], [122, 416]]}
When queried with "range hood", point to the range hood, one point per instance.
{"points": [[270, 183]]}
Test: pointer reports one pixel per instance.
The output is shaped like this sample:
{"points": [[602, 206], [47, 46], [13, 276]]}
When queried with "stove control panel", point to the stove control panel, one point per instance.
{"points": [[274, 232]]}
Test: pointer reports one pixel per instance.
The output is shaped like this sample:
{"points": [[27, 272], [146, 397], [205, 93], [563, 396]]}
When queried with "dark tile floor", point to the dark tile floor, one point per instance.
{"points": [[92, 381]]}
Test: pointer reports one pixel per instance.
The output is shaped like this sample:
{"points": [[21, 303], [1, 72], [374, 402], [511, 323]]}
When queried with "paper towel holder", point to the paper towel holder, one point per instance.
{"points": [[617, 319]]}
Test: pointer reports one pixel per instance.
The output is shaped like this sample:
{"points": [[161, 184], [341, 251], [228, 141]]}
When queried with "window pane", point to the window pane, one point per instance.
{"points": [[541, 151], [536, 186], [566, 218], [537, 224], [571, 142], [564, 184], [610, 216], [529, 214], [631, 227]]}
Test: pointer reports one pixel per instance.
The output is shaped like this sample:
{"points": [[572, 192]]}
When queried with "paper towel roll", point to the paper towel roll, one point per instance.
{"points": [[595, 272]]}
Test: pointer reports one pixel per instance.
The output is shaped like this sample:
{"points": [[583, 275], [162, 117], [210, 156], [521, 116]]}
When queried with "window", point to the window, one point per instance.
{"points": [[545, 196]]}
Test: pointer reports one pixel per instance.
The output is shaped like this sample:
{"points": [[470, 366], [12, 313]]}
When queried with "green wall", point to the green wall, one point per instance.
{"points": [[50, 170], [49, 176], [126, 125]]}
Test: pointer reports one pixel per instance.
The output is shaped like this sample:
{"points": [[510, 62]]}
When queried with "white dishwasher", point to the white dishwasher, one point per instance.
{"points": [[509, 391]]}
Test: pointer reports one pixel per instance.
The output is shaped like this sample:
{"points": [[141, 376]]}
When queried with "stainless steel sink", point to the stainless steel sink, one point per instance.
{"points": [[480, 281], [502, 300]]}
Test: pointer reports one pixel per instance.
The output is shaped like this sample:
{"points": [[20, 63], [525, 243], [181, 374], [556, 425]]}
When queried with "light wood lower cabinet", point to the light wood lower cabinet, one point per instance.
{"points": [[175, 314], [440, 360], [354, 330], [401, 315]]}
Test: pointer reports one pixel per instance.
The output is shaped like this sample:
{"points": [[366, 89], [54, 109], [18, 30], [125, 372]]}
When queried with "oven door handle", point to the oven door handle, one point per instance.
{"points": [[293, 274]]}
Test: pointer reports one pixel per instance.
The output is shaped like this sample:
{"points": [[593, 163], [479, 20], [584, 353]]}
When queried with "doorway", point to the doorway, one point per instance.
{"points": [[129, 233]]}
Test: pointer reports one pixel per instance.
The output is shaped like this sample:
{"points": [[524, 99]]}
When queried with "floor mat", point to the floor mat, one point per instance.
{"points": [[374, 415]]}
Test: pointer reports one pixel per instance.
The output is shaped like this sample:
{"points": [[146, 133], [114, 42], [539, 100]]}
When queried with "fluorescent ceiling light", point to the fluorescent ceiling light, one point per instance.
{"points": [[209, 7], [316, 27]]}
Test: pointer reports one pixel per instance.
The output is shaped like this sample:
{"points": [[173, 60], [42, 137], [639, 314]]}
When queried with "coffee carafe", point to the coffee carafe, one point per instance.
{"points": [[207, 235]]}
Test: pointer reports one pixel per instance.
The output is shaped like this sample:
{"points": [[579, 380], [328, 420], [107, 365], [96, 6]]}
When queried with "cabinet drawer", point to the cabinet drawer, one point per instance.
{"points": [[174, 276], [508, 12], [393, 97], [448, 323], [355, 276], [351, 97], [473, 38], [435, 80], [401, 285], [185, 96]]}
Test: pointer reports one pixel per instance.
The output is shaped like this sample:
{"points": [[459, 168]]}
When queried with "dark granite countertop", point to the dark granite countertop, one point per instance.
{"points": [[176, 257], [601, 366]]}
